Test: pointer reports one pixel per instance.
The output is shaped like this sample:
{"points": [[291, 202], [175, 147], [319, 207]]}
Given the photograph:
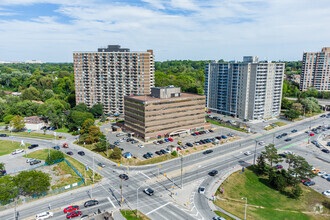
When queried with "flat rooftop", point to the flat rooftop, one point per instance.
{"points": [[150, 98]]}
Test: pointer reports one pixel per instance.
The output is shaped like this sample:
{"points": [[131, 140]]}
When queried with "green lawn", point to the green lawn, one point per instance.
{"points": [[6, 147], [280, 123], [64, 130], [226, 126], [131, 215], [33, 135], [63, 168], [258, 193]]}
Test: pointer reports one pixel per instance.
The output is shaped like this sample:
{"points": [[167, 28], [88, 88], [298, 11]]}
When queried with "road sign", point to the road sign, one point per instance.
{"points": [[29, 130], [119, 164], [160, 166], [99, 168]]}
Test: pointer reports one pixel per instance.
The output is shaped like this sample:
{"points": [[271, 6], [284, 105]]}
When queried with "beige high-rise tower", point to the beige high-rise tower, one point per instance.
{"points": [[110, 74], [315, 70]]}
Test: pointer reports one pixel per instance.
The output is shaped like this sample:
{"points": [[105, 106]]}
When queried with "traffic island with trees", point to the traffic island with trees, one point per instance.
{"points": [[273, 193]]}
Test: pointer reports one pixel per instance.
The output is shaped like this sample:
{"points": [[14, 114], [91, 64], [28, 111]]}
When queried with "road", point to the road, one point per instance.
{"points": [[161, 205]]}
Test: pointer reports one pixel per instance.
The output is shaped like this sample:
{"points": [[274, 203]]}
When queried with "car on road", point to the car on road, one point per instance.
{"points": [[325, 150], [321, 173], [326, 176], [311, 134], [65, 145], [218, 218], [247, 153], [201, 190], [17, 151], [207, 152], [33, 146], [69, 153], [123, 176], [140, 145], [284, 134], [84, 217], [323, 116], [101, 164], [148, 191], [282, 155], [294, 130], [81, 153], [73, 214], [278, 166], [71, 208], [309, 183], [279, 136], [3, 135], [326, 193], [91, 203], [56, 147], [288, 139], [44, 215], [33, 162], [261, 143], [213, 173]]}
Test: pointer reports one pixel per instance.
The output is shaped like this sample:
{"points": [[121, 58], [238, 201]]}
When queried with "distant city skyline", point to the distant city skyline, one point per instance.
{"points": [[50, 30]]}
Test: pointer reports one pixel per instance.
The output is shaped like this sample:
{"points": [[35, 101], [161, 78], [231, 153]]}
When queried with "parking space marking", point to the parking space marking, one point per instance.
{"points": [[158, 208]]}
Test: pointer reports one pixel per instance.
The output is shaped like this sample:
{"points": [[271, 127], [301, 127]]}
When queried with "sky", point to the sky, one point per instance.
{"points": [[50, 30]]}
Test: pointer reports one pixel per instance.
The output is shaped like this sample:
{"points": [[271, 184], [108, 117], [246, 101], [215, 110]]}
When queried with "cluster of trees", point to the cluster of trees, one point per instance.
{"points": [[291, 89], [282, 179], [90, 133], [300, 107], [26, 183], [293, 67], [187, 74]]}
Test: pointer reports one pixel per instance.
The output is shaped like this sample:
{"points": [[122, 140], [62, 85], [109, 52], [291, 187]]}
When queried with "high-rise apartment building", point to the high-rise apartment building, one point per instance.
{"points": [[315, 70], [111, 73], [166, 112], [247, 90]]}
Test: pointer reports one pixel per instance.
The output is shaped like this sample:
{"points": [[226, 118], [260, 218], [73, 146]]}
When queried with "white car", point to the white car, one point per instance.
{"points": [[30, 160], [288, 152], [201, 190], [326, 176], [247, 153], [140, 145], [17, 151], [321, 173], [261, 143], [156, 142], [326, 193], [44, 215]]}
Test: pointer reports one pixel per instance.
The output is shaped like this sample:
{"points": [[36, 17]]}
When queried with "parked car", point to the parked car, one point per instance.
{"points": [[213, 173], [29, 160], [189, 144], [325, 150], [71, 208], [219, 217], [65, 145], [3, 135], [56, 147], [321, 173], [150, 154], [17, 151], [179, 142], [223, 136], [44, 215], [140, 145], [158, 153], [305, 180], [81, 153], [101, 164], [146, 156], [326, 176], [91, 203], [163, 151], [134, 141], [170, 139], [282, 155], [309, 183], [69, 153], [3, 172], [326, 193], [311, 134], [127, 155], [123, 176], [33, 162], [73, 214], [316, 170], [156, 142], [207, 152], [201, 190], [278, 166], [148, 191]]}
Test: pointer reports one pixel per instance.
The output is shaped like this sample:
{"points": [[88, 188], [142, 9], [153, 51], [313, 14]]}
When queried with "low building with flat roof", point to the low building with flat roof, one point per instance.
{"points": [[165, 112]]}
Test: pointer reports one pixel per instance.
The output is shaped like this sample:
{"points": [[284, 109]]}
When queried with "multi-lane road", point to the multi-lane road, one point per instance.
{"points": [[160, 205]]}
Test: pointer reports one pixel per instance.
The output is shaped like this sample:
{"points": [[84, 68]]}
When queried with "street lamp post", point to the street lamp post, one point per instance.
{"points": [[255, 152], [245, 207], [181, 169]]}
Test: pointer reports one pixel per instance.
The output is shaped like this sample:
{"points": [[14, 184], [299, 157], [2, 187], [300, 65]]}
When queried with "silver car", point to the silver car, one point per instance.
{"points": [[17, 151]]}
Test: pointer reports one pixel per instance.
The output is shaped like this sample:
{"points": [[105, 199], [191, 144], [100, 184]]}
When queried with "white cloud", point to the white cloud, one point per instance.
{"points": [[210, 29]]}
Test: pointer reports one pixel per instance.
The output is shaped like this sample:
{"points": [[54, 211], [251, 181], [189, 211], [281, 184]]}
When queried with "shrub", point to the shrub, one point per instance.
{"points": [[296, 192], [116, 154], [54, 155], [174, 153]]}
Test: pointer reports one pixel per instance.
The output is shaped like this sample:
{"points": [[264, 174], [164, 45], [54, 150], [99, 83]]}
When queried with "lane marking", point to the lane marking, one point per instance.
{"points": [[158, 208], [111, 202], [144, 175]]}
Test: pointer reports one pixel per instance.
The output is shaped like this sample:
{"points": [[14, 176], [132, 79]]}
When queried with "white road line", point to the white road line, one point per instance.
{"points": [[144, 175], [111, 202], [158, 208]]}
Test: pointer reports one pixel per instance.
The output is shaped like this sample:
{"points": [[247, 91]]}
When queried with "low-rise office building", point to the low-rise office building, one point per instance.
{"points": [[165, 112]]}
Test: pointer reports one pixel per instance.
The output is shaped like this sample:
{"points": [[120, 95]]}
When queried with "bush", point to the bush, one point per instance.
{"points": [[116, 154], [174, 153], [54, 155], [296, 192], [8, 118]]}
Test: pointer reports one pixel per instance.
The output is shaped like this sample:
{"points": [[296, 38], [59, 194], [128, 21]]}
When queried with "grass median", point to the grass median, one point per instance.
{"points": [[6, 147], [226, 126], [265, 202], [131, 215], [32, 135]]}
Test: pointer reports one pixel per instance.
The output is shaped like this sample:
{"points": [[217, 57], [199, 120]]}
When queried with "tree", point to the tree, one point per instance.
{"points": [[47, 94], [271, 154], [310, 104], [100, 146], [277, 180], [301, 169], [54, 156], [298, 107], [8, 118], [286, 103], [291, 114], [296, 192], [76, 119], [86, 125], [32, 182], [97, 110], [81, 107], [103, 118], [17, 122], [8, 189], [116, 154], [30, 93], [261, 166], [94, 133]]}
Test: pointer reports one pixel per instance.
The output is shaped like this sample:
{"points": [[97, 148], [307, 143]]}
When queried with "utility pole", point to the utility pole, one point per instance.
{"points": [[181, 171], [93, 178], [255, 152], [121, 191], [274, 139], [245, 207], [106, 144]]}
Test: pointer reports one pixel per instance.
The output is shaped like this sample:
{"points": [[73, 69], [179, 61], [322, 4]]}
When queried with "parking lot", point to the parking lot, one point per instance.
{"points": [[152, 147]]}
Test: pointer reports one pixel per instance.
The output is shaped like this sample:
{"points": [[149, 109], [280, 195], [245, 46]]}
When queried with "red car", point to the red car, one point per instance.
{"points": [[73, 214], [278, 166], [197, 133], [305, 180], [178, 148], [71, 208], [311, 134], [208, 111], [170, 139]]}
